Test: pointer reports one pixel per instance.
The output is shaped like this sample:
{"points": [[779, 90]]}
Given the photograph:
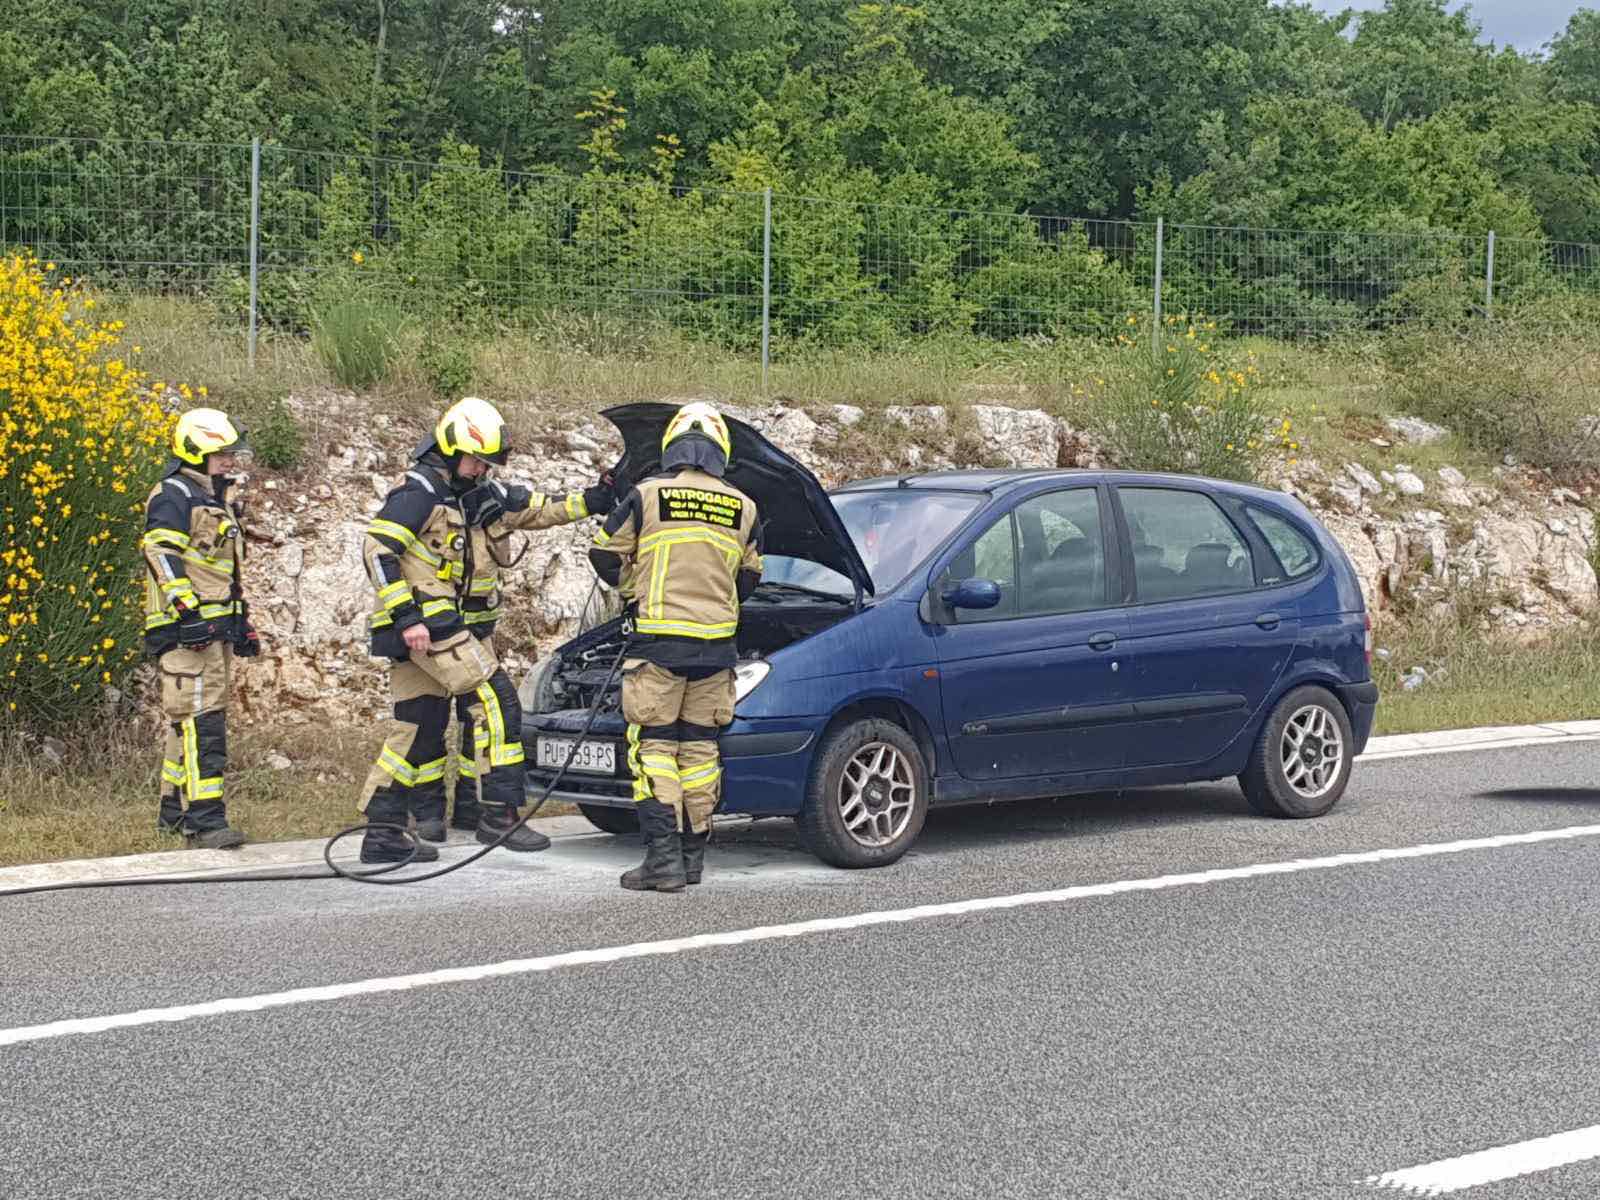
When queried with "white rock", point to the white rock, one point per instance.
{"points": [[1417, 431], [1363, 477], [794, 433], [1017, 437], [1386, 476], [573, 440], [291, 559], [270, 485], [1452, 476], [847, 414], [922, 416], [381, 486], [1559, 528], [1455, 497], [1408, 483], [1347, 495], [277, 761]]}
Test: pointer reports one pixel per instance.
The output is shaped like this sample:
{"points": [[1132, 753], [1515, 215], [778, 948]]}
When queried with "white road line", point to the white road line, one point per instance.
{"points": [[761, 933], [1489, 1166]]}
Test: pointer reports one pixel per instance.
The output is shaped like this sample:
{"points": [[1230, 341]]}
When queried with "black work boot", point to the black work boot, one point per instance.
{"points": [[170, 817], [429, 811], [391, 845], [662, 869], [497, 818], [694, 854], [205, 826], [464, 813]]}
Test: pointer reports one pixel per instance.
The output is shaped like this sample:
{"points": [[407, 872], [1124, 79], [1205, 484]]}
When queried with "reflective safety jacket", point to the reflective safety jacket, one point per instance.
{"points": [[428, 566], [684, 550], [194, 547]]}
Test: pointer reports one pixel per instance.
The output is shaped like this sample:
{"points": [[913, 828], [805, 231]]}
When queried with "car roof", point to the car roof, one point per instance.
{"points": [[996, 482]]}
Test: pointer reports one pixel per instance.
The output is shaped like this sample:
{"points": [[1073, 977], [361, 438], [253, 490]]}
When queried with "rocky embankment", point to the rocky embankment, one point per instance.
{"points": [[1416, 538]]}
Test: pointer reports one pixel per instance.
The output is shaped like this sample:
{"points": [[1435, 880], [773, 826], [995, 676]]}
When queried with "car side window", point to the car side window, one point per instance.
{"points": [[1063, 567], [992, 556], [1183, 545], [1297, 554]]}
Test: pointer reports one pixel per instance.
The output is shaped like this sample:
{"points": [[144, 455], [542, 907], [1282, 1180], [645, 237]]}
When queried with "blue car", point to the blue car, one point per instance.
{"points": [[968, 636]]}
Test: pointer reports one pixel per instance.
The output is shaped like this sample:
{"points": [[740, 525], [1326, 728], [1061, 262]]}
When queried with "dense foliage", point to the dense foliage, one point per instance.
{"points": [[627, 143]]}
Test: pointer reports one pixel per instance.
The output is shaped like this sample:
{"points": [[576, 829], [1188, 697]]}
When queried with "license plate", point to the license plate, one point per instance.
{"points": [[595, 758]]}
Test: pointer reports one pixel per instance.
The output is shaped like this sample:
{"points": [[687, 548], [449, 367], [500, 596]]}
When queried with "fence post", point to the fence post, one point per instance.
{"points": [[766, 285], [1488, 282], [255, 226], [1155, 333]]}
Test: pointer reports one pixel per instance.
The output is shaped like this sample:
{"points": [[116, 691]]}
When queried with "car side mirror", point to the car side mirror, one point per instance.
{"points": [[971, 593]]}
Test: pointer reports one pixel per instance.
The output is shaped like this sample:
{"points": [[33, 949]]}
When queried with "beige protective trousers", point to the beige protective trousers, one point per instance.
{"points": [[673, 725], [412, 760], [194, 700]]}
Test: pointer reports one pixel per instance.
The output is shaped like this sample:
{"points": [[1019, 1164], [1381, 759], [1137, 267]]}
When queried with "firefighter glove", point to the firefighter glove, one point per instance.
{"points": [[249, 643], [601, 498]]}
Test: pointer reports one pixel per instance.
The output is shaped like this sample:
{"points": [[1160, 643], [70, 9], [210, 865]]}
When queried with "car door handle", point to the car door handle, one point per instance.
{"points": [[1268, 620], [1102, 641]]}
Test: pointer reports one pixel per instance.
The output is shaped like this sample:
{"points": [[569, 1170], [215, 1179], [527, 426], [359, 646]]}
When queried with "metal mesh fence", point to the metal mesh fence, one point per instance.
{"points": [[460, 242]]}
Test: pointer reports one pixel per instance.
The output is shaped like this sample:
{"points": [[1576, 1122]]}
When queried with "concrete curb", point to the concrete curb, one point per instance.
{"points": [[264, 856], [307, 853]]}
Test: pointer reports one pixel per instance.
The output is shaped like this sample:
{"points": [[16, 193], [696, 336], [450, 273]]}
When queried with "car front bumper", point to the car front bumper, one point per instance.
{"points": [[765, 764]]}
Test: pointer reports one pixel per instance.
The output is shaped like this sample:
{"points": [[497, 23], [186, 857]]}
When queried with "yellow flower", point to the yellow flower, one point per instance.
{"points": [[358, 258]]}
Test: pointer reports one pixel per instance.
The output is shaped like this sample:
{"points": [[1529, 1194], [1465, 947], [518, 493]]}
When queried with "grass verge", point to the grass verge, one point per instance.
{"points": [[101, 800], [1472, 680]]}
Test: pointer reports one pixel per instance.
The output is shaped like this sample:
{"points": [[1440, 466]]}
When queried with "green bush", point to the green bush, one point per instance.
{"points": [[1506, 388], [446, 362], [357, 339], [276, 437]]}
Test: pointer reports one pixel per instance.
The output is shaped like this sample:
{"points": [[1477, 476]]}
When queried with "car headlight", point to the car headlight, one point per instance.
{"points": [[746, 677]]}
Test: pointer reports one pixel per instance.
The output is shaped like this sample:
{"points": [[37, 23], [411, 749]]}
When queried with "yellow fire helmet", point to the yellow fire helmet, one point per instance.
{"points": [[699, 417], [472, 426], [203, 431]]}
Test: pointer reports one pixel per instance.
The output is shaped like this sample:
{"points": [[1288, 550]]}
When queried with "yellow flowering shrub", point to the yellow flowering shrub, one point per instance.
{"points": [[1180, 399], [81, 442]]}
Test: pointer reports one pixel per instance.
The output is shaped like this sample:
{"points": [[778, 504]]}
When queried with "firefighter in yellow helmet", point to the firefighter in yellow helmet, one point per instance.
{"points": [[418, 552], [683, 548], [196, 620]]}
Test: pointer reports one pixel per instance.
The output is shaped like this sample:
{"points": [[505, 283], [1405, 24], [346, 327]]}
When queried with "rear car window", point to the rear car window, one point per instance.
{"points": [[1183, 545], [1297, 554]]}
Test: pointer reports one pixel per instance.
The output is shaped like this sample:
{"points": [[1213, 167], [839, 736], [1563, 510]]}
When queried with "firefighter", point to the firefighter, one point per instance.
{"points": [[494, 510], [683, 548], [196, 620], [418, 553]]}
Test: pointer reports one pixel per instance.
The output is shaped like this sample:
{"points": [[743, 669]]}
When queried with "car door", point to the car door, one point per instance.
{"points": [[1035, 685], [1206, 641]]}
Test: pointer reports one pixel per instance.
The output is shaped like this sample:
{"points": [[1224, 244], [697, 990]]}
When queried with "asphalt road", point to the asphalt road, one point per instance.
{"points": [[1276, 1035]]}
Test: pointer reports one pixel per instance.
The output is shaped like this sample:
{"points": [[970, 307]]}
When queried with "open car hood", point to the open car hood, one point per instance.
{"points": [[798, 519]]}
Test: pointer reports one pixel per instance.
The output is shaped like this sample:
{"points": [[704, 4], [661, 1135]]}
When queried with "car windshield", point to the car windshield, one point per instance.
{"points": [[893, 531]]}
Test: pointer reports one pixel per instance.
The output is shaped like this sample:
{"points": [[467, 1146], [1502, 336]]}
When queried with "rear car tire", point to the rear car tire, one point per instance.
{"points": [[868, 795], [1301, 762], [611, 820]]}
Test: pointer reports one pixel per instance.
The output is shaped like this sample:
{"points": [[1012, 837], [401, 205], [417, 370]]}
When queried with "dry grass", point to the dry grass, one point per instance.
{"points": [[102, 798], [1477, 680]]}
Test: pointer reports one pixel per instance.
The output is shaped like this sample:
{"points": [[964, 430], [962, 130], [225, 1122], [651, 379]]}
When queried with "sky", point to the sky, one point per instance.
{"points": [[1525, 24]]}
